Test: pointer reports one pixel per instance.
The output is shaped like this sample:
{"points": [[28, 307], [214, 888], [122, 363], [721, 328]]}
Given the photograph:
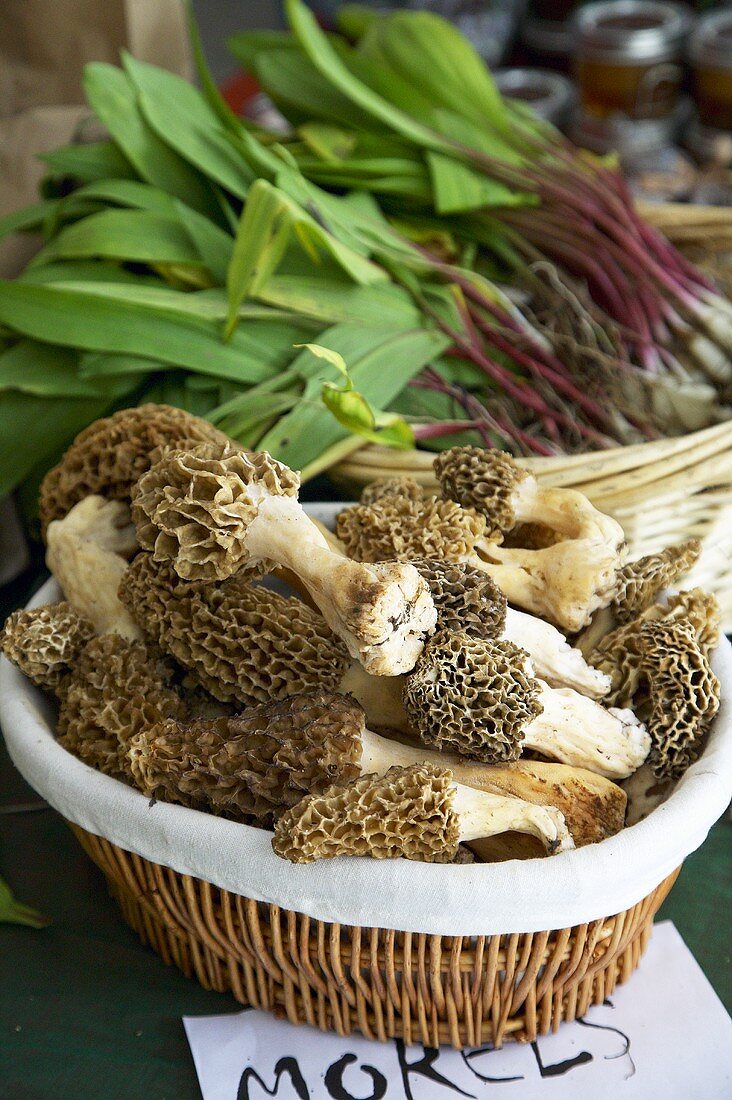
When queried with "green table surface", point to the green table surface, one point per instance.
{"points": [[88, 1013]]}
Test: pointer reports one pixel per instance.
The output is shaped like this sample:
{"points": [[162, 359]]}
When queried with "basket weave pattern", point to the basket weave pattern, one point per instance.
{"points": [[462, 991]]}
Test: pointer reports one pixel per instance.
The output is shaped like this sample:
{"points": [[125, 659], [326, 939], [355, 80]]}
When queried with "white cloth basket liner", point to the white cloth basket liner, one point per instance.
{"points": [[463, 900]]}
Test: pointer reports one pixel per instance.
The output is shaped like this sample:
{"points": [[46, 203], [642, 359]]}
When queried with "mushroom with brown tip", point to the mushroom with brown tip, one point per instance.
{"points": [[417, 812], [639, 585], [214, 510], [568, 579], [480, 698], [260, 762]]}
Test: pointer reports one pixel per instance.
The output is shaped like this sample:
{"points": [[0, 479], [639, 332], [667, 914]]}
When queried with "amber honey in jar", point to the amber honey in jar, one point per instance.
{"points": [[710, 56], [628, 55]]}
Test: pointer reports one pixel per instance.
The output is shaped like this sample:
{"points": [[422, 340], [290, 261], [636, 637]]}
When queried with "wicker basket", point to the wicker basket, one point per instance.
{"points": [[661, 492], [464, 991]]}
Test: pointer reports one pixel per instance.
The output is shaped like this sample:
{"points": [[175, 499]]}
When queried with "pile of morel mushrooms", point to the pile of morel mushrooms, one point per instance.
{"points": [[416, 696]]}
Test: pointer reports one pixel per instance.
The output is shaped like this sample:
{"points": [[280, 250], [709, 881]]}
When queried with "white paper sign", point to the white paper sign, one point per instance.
{"points": [[664, 1036]]}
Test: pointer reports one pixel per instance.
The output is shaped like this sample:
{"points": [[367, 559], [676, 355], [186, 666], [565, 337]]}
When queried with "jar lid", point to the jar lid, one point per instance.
{"points": [[711, 42], [631, 30], [549, 94]]}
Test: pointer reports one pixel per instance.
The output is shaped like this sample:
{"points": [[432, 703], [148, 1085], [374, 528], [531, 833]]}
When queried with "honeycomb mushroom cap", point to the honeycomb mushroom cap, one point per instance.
{"points": [[254, 765], [466, 599], [194, 506], [683, 695], [619, 653], [400, 529], [483, 479], [406, 812], [111, 454], [44, 642], [242, 642], [404, 487], [703, 612], [639, 582], [472, 696], [117, 688]]}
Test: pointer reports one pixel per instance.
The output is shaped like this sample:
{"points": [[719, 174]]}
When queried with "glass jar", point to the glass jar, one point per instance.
{"points": [[710, 55], [551, 95], [627, 58]]}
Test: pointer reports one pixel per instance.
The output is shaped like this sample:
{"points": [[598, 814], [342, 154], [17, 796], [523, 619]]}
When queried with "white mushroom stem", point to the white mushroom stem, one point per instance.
{"points": [[383, 612], [566, 582], [81, 557], [531, 815], [482, 815], [553, 658], [576, 730]]}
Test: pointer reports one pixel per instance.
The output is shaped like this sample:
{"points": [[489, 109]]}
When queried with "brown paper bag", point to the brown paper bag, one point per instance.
{"points": [[44, 46]]}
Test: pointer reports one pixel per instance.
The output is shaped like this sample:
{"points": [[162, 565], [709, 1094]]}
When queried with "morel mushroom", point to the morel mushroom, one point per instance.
{"points": [[480, 698], [45, 642], [117, 688], [564, 582], [619, 652], [417, 812], [87, 553], [213, 510], [383, 487], [261, 762], [111, 454], [243, 642], [639, 583], [679, 693], [568, 579]]}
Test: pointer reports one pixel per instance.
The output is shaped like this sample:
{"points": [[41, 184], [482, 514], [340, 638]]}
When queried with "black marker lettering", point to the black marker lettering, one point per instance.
{"points": [[482, 1076], [559, 1068], [285, 1065], [424, 1068], [336, 1088], [623, 1036]]}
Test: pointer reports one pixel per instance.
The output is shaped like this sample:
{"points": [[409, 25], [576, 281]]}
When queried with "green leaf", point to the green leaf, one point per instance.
{"points": [[247, 46], [433, 56], [93, 161], [301, 92], [113, 98], [27, 219], [381, 362], [85, 271], [46, 371], [268, 221], [333, 357], [89, 320], [181, 117], [325, 59], [327, 141], [14, 912], [458, 187], [138, 235], [32, 428], [331, 300]]}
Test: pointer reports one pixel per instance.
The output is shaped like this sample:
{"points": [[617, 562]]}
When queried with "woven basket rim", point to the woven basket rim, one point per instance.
{"points": [[375, 456], [535, 895]]}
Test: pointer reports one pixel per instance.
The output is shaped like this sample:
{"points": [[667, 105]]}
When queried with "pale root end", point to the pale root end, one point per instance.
{"points": [[552, 656], [578, 731], [482, 815], [89, 573]]}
